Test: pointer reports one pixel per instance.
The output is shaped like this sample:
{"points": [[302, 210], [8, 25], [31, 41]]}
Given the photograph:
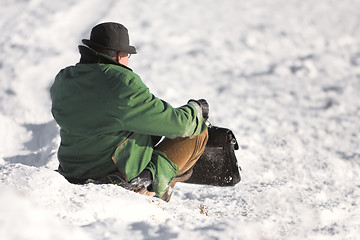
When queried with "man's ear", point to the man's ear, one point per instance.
{"points": [[122, 58], [118, 57]]}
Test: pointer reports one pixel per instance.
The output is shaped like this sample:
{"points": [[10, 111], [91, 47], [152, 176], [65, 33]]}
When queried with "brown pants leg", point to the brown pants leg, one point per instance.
{"points": [[184, 152]]}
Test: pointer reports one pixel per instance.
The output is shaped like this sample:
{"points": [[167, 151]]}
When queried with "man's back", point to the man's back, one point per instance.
{"points": [[83, 106]]}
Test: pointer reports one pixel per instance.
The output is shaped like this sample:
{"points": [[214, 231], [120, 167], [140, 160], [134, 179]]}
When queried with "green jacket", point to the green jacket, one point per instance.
{"points": [[107, 114]]}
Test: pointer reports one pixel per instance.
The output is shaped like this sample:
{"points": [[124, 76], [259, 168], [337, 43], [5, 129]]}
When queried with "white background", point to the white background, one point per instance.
{"points": [[284, 75]]}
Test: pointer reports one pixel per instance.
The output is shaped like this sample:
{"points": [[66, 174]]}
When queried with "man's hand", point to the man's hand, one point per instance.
{"points": [[202, 103]]}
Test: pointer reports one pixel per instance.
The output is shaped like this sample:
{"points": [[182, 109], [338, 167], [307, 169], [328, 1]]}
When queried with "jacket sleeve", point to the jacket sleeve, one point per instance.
{"points": [[140, 111]]}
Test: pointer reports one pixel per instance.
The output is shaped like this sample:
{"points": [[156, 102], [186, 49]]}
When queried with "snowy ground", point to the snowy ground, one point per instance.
{"points": [[284, 75]]}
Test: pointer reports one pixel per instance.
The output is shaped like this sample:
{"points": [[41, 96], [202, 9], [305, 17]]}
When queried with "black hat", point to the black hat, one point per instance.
{"points": [[110, 35]]}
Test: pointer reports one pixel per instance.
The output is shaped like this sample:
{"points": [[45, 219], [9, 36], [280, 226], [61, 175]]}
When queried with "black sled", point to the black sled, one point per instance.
{"points": [[218, 165]]}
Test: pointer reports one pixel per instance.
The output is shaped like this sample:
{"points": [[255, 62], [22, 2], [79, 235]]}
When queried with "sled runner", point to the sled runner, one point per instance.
{"points": [[218, 165]]}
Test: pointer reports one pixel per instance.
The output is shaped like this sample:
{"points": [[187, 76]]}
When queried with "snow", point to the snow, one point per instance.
{"points": [[284, 75]]}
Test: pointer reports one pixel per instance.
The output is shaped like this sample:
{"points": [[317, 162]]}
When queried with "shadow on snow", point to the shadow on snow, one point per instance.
{"points": [[41, 145]]}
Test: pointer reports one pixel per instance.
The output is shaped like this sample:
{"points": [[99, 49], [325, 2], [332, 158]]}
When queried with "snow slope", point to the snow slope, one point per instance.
{"points": [[284, 75]]}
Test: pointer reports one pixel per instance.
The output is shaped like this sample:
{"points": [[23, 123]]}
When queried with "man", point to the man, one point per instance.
{"points": [[111, 124]]}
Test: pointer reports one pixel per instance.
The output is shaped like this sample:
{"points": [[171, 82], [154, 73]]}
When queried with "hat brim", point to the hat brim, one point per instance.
{"points": [[127, 49]]}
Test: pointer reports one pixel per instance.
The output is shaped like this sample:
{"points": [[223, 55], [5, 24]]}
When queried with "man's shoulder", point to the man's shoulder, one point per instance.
{"points": [[120, 78], [76, 70], [118, 71]]}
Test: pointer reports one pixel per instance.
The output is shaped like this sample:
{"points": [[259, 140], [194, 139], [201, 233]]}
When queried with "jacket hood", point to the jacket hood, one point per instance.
{"points": [[90, 56]]}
